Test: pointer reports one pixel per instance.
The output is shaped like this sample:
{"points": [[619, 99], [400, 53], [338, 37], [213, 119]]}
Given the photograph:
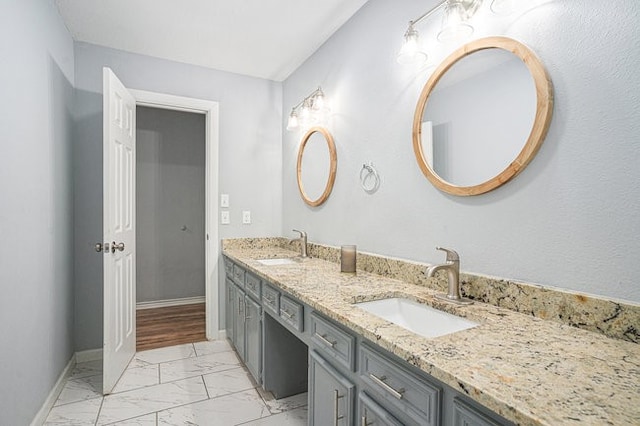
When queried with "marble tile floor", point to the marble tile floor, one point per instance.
{"points": [[201, 383]]}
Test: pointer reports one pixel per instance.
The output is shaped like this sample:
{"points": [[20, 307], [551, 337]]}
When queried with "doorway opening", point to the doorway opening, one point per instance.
{"points": [[170, 231], [180, 305]]}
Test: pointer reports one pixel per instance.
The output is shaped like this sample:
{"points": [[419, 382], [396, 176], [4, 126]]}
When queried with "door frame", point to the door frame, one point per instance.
{"points": [[212, 248]]}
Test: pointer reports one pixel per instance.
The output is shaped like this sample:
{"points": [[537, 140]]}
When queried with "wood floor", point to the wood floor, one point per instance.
{"points": [[173, 325]]}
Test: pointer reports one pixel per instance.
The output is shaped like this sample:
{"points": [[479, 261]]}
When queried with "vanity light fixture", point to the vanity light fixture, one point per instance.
{"points": [[310, 111], [455, 26], [411, 50]]}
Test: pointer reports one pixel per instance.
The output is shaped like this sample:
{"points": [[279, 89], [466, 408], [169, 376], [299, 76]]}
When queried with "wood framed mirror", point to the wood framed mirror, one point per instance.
{"points": [[317, 165], [482, 116]]}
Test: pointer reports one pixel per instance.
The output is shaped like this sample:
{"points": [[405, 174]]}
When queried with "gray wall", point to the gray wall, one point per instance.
{"points": [[170, 174], [570, 220], [250, 159], [36, 281]]}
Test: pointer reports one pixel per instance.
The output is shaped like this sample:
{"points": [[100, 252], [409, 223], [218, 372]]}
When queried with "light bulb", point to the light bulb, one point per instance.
{"points": [[411, 51], [318, 101], [292, 124], [305, 111], [454, 25]]}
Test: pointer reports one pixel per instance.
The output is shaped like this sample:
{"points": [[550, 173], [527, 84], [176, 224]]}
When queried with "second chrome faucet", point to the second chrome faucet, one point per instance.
{"points": [[452, 268], [303, 242]]}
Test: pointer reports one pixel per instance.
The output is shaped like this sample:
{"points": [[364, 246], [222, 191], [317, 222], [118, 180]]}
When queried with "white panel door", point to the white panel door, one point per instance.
{"points": [[119, 161]]}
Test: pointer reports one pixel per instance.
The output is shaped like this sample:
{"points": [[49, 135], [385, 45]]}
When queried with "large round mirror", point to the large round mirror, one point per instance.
{"points": [[482, 116], [317, 164]]}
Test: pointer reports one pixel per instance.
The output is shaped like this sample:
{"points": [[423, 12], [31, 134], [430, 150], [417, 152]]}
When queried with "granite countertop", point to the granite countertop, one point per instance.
{"points": [[529, 370]]}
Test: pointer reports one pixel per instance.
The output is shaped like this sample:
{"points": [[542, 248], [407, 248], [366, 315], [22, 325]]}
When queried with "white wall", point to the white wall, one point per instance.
{"points": [[36, 275], [250, 156], [571, 219], [170, 204]]}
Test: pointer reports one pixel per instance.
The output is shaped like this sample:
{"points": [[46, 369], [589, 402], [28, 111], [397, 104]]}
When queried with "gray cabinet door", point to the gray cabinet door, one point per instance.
{"points": [[253, 339], [238, 321], [331, 395], [229, 299], [372, 414], [466, 415]]}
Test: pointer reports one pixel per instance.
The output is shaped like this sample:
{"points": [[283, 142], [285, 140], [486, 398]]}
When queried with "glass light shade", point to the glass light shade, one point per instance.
{"points": [[454, 25], [292, 124], [305, 111], [411, 51], [304, 119], [318, 101]]}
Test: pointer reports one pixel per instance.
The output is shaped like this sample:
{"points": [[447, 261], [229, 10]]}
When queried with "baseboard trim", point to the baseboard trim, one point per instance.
{"points": [[82, 356], [222, 334], [42, 414], [89, 355], [170, 302]]}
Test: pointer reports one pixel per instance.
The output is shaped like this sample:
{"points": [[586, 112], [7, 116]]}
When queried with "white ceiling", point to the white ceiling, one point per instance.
{"points": [[260, 38]]}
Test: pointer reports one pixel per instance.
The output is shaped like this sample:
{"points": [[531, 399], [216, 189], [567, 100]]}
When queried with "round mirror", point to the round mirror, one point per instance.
{"points": [[317, 164], [482, 116]]}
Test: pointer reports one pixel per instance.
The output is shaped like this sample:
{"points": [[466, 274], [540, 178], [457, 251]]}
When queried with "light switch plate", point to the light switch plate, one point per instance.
{"points": [[224, 217], [224, 200], [246, 217]]}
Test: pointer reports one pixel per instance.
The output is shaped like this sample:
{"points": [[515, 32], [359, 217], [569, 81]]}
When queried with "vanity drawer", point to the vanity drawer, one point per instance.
{"points": [[271, 299], [238, 275], [333, 341], [291, 312], [252, 285], [228, 267], [418, 399]]}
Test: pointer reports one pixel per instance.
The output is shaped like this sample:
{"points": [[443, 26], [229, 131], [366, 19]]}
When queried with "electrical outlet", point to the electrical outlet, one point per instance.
{"points": [[246, 217], [224, 200], [224, 217]]}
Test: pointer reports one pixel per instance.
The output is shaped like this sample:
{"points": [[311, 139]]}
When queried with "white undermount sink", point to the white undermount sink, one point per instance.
{"points": [[417, 317], [275, 262]]}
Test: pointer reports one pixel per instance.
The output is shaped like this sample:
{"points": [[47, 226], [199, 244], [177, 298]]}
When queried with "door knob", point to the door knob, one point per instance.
{"points": [[102, 247], [115, 247]]}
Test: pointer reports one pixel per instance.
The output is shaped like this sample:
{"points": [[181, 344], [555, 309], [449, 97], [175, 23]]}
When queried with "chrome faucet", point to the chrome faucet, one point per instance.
{"points": [[452, 267], [303, 242]]}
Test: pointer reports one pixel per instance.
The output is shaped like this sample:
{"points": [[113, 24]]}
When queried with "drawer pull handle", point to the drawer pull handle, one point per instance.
{"points": [[364, 421], [286, 314], [270, 299], [336, 397], [381, 382], [326, 341]]}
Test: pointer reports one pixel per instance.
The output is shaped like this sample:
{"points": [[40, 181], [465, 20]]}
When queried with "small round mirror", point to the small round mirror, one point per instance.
{"points": [[482, 116], [317, 164]]}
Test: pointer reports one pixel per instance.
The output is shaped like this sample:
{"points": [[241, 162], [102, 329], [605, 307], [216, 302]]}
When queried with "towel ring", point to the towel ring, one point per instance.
{"points": [[369, 178]]}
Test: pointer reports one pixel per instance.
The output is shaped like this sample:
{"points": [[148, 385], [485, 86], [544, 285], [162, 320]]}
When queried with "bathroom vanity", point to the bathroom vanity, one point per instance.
{"points": [[297, 327]]}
